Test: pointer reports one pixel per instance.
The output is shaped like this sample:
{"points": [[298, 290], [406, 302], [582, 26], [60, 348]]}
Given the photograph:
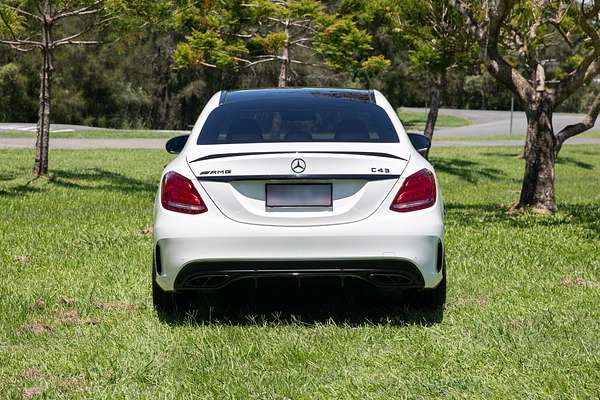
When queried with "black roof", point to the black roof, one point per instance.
{"points": [[366, 96]]}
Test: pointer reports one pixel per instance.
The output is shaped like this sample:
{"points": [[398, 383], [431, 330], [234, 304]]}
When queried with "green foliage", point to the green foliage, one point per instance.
{"points": [[435, 33], [232, 35], [11, 22], [14, 86], [273, 42]]}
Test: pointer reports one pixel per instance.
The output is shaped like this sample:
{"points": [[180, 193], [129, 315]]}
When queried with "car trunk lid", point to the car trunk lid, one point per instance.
{"points": [[236, 177]]}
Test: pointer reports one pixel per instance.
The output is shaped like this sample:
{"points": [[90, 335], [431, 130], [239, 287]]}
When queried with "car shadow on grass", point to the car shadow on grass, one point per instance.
{"points": [[270, 303], [467, 170], [101, 179], [95, 179]]}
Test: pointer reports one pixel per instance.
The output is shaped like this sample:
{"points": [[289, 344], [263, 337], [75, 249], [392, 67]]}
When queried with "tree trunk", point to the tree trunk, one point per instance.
{"points": [[285, 59], [40, 166], [537, 191], [434, 105]]}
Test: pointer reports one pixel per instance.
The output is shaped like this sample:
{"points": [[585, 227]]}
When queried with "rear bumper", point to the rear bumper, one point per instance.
{"points": [[407, 248], [381, 273]]}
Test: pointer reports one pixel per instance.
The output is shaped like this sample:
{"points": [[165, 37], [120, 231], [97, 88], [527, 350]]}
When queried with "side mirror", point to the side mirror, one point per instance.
{"points": [[176, 144], [421, 143]]}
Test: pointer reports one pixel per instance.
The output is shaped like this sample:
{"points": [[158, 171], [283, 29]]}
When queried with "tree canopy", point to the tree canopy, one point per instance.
{"points": [[237, 34]]}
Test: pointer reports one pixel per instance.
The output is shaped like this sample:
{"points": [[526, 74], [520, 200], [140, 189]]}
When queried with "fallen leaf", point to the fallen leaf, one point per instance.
{"points": [[38, 305], [29, 393], [36, 328], [21, 259], [68, 301], [72, 318], [147, 231]]}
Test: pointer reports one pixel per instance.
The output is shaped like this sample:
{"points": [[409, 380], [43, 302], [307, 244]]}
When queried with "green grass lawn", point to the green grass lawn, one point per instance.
{"points": [[515, 136], [415, 121], [108, 134], [522, 319]]}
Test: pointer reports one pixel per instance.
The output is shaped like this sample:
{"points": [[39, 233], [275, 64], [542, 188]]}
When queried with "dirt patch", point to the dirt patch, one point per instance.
{"points": [[38, 305], [36, 328], [115, 306], [29, 393], [74, 383], [569, 281], [479, 301], [31, 374], [21, 259], [73, 318], [520, 323], [148, 231], [67, 301]]}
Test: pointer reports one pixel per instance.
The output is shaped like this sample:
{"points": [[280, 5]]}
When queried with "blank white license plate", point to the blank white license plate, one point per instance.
{"points": [[299, 195]]}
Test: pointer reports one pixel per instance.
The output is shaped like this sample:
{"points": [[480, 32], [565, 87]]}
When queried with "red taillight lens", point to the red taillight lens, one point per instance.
{"points": [[179, 194], [417, 192]]}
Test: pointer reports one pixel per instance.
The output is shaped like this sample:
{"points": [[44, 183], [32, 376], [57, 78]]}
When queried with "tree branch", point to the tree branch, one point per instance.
{"points": [[495, 63], [77, 42], [264, 60], [469, 18], [82, 11], [585, 71], [575, 129], [16, 46], [590, 66]]}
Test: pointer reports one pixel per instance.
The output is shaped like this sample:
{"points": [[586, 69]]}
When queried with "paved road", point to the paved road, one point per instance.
{"points": [[72, 143], [27, 127], [486, 123], [25, 143]]}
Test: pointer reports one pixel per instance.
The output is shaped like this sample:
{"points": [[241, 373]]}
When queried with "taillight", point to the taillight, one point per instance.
{"points": [[417, 192], [179, 194]]}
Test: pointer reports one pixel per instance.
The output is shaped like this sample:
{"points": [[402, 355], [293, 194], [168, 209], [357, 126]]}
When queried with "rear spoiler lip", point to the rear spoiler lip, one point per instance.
{"points": [[298, 153], [231, 178]]}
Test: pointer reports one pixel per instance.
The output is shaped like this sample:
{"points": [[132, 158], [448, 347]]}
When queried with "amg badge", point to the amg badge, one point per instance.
{"points": [[216, 172]]}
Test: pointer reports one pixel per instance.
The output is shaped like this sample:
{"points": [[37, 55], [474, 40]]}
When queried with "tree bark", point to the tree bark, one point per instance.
{"points": [[40, 166], [285, 59], [434, 104], [537, 191]]}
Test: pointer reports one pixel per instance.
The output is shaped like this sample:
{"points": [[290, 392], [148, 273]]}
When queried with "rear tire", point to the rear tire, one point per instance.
{"points": [[162, 301], [431, 298]]}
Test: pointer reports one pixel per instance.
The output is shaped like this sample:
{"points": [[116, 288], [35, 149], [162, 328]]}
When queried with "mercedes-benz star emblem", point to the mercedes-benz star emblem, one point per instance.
{"points": [[298, 165]]}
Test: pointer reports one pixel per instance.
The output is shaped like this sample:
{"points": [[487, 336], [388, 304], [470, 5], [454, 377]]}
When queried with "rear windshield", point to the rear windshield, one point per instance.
{"points": [[298, 120]]}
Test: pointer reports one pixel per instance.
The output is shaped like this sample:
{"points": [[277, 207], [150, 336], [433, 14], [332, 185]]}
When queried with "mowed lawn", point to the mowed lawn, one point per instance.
{"points": [[76, 320]]}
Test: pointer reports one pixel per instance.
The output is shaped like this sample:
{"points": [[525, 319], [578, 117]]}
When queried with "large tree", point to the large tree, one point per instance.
{"points": [[47, 25], [543, 51], [241, 34]]}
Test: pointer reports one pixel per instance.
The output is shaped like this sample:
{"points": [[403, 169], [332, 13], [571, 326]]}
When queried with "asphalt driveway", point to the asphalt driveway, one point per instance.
{"points": [[488, 123]]}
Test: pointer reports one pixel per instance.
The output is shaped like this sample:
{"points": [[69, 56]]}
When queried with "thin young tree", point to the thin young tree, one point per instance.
{"points": [[48, 25], [237, 34], [437, 42], [518, 44]]}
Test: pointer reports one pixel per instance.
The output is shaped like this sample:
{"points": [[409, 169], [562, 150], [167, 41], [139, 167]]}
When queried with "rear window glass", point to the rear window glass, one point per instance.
{"points": [[298, 120]]}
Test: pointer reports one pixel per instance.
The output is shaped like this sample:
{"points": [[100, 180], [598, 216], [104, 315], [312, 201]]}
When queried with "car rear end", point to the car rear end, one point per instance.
{"points": [[298, 185]]}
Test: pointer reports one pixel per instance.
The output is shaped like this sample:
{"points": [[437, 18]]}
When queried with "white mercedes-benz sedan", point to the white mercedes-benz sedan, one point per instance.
{"points": [[301, 184]]}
